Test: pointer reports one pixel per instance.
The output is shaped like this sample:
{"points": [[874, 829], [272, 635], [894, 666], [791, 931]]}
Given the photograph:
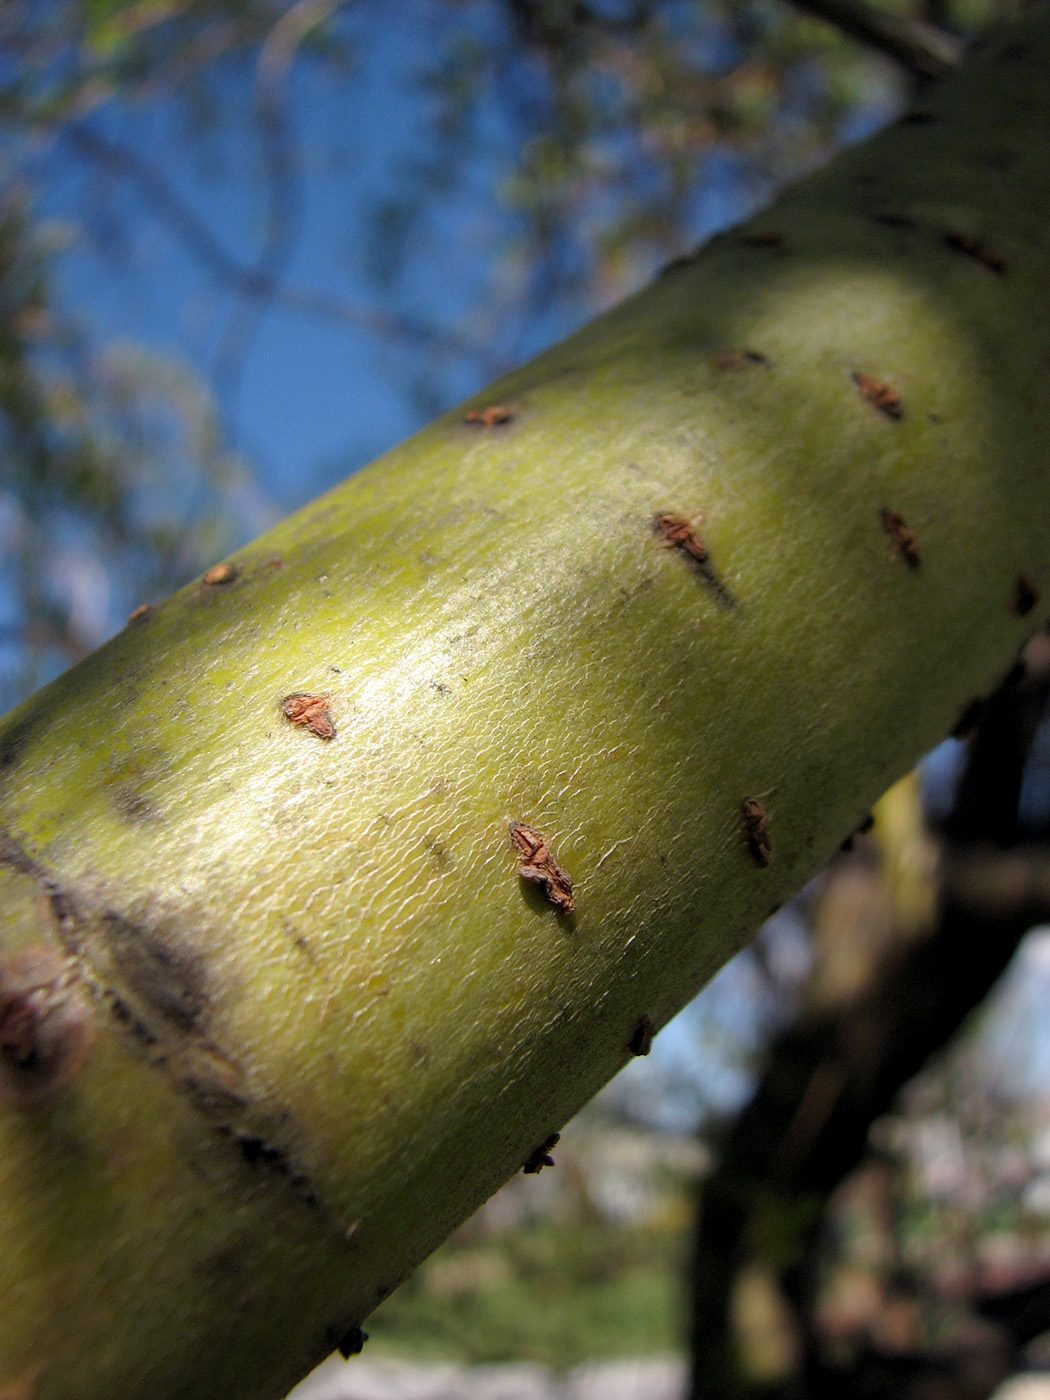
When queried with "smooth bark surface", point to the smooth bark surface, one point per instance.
{"points": [[306, 1014]]}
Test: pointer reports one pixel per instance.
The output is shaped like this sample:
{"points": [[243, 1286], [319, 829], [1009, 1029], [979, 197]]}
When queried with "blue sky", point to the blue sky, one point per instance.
{"points": [[315, 399]]}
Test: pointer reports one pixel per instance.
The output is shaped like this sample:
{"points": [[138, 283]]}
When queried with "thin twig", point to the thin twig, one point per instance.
{"points": [[244, 280], [283, 223], [282, 43], [284, 211]]}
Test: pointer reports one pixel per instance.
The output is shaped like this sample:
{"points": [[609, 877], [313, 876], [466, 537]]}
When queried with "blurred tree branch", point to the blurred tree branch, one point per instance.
{"points": [[921, 48], [259, 281], [833, 1072]]}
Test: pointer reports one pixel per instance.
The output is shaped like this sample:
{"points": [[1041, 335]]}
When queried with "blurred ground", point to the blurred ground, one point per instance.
{"points": [[649, 1378], [645, 1379], [583, 1260]]}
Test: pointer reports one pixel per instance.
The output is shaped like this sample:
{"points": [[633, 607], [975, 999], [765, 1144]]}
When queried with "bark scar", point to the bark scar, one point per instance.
{"points": [[496, 415], [733, 360], [756, 827], [309, 712], [960, 243], [541, 1157], [538, 865], [1025, 595], [157, 997], [879, 395], [46, 1024], [904, 538], [641, 1042], [347, 1341], [220, 574], [678, 532]]}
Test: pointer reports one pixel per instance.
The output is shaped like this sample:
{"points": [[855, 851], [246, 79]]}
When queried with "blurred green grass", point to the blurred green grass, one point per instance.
{"points": [[586, 1261]]}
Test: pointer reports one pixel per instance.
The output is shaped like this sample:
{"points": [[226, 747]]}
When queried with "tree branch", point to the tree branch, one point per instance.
{"points": [[841, 1064], [329, 1013], [254, 282], [921, 48], [553, 26], [283, 222]]}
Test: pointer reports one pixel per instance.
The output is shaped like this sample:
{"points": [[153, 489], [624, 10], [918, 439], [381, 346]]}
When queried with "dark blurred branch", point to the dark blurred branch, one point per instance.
{"points": [[287, 36], [918, 46], [985, 807], [40, 635], [551, 23], [832, 1073], [1023, 1312], [828, 1078], [245, 280], [284, 204], [922, 49]]}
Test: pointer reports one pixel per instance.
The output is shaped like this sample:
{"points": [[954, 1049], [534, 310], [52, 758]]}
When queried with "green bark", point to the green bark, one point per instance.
{"points": [[326, 1016]]}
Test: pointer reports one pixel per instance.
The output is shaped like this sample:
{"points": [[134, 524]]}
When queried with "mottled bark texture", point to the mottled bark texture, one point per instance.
{"points": [[329, 1016]]}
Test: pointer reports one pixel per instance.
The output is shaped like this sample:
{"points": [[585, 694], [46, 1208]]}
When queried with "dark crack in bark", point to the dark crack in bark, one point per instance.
{"points": [[155, 987]]}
